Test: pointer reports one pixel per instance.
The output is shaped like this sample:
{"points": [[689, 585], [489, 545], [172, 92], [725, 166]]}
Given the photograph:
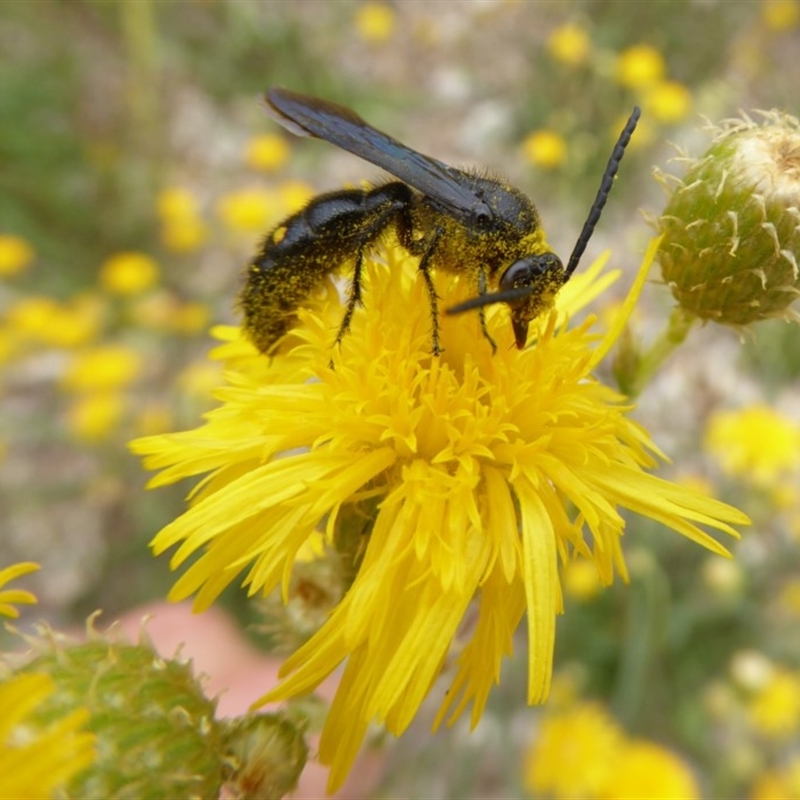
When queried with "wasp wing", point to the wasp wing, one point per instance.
{"points": [[311, 116]]}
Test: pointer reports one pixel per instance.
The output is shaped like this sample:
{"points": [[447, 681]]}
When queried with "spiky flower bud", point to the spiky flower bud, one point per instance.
{"points": [[266, 754], [156, 735], [732, 226]]}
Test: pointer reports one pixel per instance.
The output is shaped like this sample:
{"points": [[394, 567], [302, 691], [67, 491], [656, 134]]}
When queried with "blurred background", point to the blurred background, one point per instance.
{"points": [[138, 173]]}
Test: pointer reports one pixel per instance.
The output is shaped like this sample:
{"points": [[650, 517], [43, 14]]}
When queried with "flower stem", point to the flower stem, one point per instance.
{"points": [[680, 322]]}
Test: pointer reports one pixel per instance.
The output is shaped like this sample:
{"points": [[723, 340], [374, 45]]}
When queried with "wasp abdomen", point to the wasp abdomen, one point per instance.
{"points": [[297, 255]]}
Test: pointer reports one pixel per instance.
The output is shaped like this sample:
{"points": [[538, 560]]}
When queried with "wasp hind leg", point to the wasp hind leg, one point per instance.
{"points": [[354, 299]]}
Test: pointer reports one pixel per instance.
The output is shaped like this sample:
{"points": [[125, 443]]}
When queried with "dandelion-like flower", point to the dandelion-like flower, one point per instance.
{"points": [[469, 476]]}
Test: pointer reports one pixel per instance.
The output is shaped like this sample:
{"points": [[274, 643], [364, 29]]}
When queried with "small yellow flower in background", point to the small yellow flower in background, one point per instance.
{"points": [[640, 66], [755, 443], [248, 210], [8, 597], [183, 229], [574, 752], [38, 760], [476, 472], [545, 148], [184, 235], [668, 101], [128, 273], [16, 255], [45, 321], [267, 152], [175, 202], [646, 771], [294, 195], [583, 752], [110, 366], [375, 22], [95, 415], [580, 580], [569, 44], [782, 783], [780, 15], [774, 709]]}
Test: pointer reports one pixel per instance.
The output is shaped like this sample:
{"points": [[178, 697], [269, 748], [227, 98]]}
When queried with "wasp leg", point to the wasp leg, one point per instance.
{"points": [[482, 283], [353, 300], [424, 268]]}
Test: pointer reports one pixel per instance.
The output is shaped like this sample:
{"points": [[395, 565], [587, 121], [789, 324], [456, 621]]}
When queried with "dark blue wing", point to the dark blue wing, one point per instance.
{"points": [[311, 116]]}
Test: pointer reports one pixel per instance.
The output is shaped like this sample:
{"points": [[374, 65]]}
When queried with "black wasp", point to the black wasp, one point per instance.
{"points": [[453, 220]]}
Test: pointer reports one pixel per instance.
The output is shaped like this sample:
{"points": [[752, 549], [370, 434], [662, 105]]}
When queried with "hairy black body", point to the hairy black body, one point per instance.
{"points": [[453, 220]]}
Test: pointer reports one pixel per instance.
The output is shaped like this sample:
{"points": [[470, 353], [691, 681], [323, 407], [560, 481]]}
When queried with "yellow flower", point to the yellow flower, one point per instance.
{"points": [[465, 476], [569, 44], [16, 255], [545, 148], [583, 752], [574, 752], [756, 443], [375, 22], [580, 580], [267, 152], [640, 66], [128, 273], [38, 760], [10, 596], [775, 709], [294, 195], [646, 771], [668, 101], [184, 235], [248, 210], [93, 416], [45, 321], [176, 203], [109, 366], [780, 15]]}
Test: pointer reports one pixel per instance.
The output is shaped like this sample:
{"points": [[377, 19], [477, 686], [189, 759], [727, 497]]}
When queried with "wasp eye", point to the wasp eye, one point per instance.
{"points": [[527, 271]]}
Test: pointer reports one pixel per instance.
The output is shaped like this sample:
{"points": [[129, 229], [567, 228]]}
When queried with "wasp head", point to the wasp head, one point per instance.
{"points": [[537, 279]]}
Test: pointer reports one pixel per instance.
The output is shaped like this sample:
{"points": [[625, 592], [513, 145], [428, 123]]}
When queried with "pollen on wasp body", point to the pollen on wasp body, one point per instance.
{"points": [[450, 219]]}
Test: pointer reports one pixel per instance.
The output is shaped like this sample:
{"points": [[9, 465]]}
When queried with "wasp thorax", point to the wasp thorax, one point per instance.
{"points": [[732, 225]]}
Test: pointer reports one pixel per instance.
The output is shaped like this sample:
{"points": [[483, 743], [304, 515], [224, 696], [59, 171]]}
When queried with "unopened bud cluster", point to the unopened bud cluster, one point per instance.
{"points": [[155, 730], [731, 227]]}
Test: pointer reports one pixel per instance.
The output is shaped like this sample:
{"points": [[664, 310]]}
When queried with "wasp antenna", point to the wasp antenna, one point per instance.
{"points": [[481, 300], [603, 191]]}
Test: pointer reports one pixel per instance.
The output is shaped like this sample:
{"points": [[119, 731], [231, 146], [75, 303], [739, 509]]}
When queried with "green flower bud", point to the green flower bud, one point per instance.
{"points": [[156, 734], [732, 225], [266, 754]]}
